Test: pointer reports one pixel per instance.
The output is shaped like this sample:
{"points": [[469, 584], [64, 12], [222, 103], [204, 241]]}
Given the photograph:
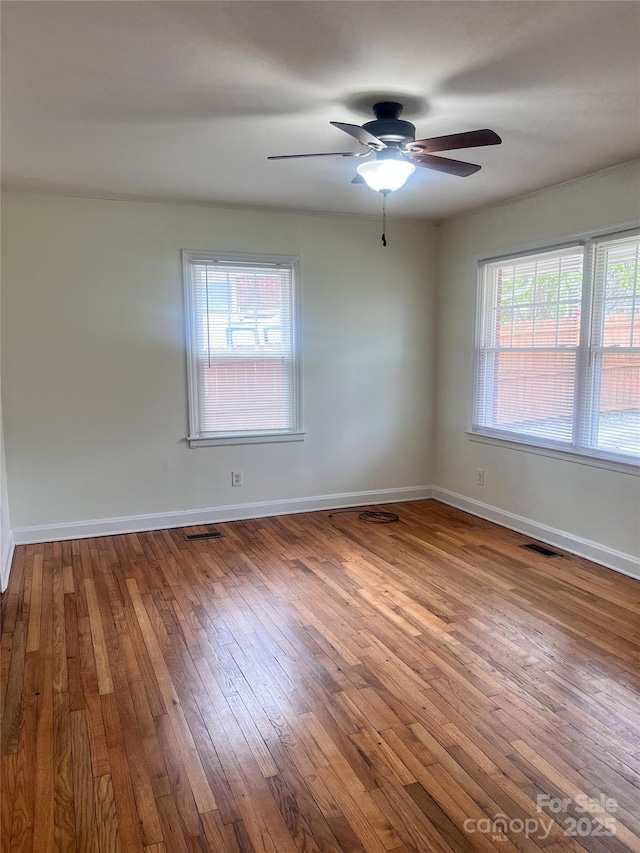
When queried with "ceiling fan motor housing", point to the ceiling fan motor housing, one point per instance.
{"points": [[387, 125]]}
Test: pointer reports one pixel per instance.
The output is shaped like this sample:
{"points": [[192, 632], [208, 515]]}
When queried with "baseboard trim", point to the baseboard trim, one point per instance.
{"points": [[626, 564], [608, 557], [213, 515], [8, 547]]}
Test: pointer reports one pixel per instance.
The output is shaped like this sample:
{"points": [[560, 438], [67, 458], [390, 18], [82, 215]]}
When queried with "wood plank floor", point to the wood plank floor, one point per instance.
{"points": [[319, 684]]}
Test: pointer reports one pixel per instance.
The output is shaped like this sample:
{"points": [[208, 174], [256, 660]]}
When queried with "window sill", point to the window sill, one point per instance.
{"points": [[246, 438], [620, 465]]}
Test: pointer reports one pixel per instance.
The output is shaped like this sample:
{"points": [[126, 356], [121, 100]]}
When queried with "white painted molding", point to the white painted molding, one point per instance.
{"points": [[8, 547], [213, 515], [627, 564]]}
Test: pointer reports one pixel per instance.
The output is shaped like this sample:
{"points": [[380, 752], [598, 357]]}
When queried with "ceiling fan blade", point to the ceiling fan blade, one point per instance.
{"points": [[470, 139], [360, 134], [443, 164], [328, 154], [358, 179]]}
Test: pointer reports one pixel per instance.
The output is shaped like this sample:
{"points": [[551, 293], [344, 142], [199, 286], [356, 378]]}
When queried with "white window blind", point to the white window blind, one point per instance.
{"points": [[558, 352], [612, 409], [243, 358]]}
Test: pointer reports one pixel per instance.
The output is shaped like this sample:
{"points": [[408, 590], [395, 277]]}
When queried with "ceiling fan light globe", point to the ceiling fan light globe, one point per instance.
{"points": [[386, 175]]}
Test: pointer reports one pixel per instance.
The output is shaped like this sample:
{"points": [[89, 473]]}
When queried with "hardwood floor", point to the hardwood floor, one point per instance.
{"points": [[319, 684]]}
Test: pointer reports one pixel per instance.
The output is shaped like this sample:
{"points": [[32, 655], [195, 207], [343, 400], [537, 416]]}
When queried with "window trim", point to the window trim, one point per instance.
{"points": [[587, 240], [196, 438]]}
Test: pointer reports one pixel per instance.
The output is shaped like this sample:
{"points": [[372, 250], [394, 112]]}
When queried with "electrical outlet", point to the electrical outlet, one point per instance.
{"points": [[236, 478], [480, 477]]}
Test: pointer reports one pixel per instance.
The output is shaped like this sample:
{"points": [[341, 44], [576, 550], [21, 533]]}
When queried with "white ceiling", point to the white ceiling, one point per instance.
{"points": [[184, 100]]}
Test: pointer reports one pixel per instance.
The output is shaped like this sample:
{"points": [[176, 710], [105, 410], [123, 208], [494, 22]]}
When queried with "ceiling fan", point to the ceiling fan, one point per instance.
{"points": [[398, 152]]}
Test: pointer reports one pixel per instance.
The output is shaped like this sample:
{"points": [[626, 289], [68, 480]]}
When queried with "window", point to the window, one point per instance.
{"points": [[242, 334], [558, 351]]}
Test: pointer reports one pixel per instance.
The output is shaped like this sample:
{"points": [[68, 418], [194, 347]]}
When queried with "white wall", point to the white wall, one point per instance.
{"points": [[594, 504], [94, 373]]}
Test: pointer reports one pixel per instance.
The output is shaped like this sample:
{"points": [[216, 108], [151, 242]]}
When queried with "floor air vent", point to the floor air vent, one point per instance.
{"points": [[540, 549], [213, 535]]}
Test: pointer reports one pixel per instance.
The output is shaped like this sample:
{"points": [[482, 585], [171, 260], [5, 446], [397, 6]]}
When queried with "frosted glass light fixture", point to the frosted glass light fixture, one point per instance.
{"points": [[386, 173]]}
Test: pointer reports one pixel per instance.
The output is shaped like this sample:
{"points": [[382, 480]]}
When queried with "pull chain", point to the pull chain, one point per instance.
{"points": [[384, 217]]}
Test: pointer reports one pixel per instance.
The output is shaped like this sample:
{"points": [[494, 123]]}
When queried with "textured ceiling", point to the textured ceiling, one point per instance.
{"points": [[184, 100]]}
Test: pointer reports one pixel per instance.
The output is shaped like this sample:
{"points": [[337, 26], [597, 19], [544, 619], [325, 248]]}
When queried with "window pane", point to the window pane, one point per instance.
{"points": [[617, 275], [619, 266], [535, 301], [620, 324], [620, 259], [242, 310], [617, 407], [615, 379], [531, 312], [244, 394], [530, 393]]}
